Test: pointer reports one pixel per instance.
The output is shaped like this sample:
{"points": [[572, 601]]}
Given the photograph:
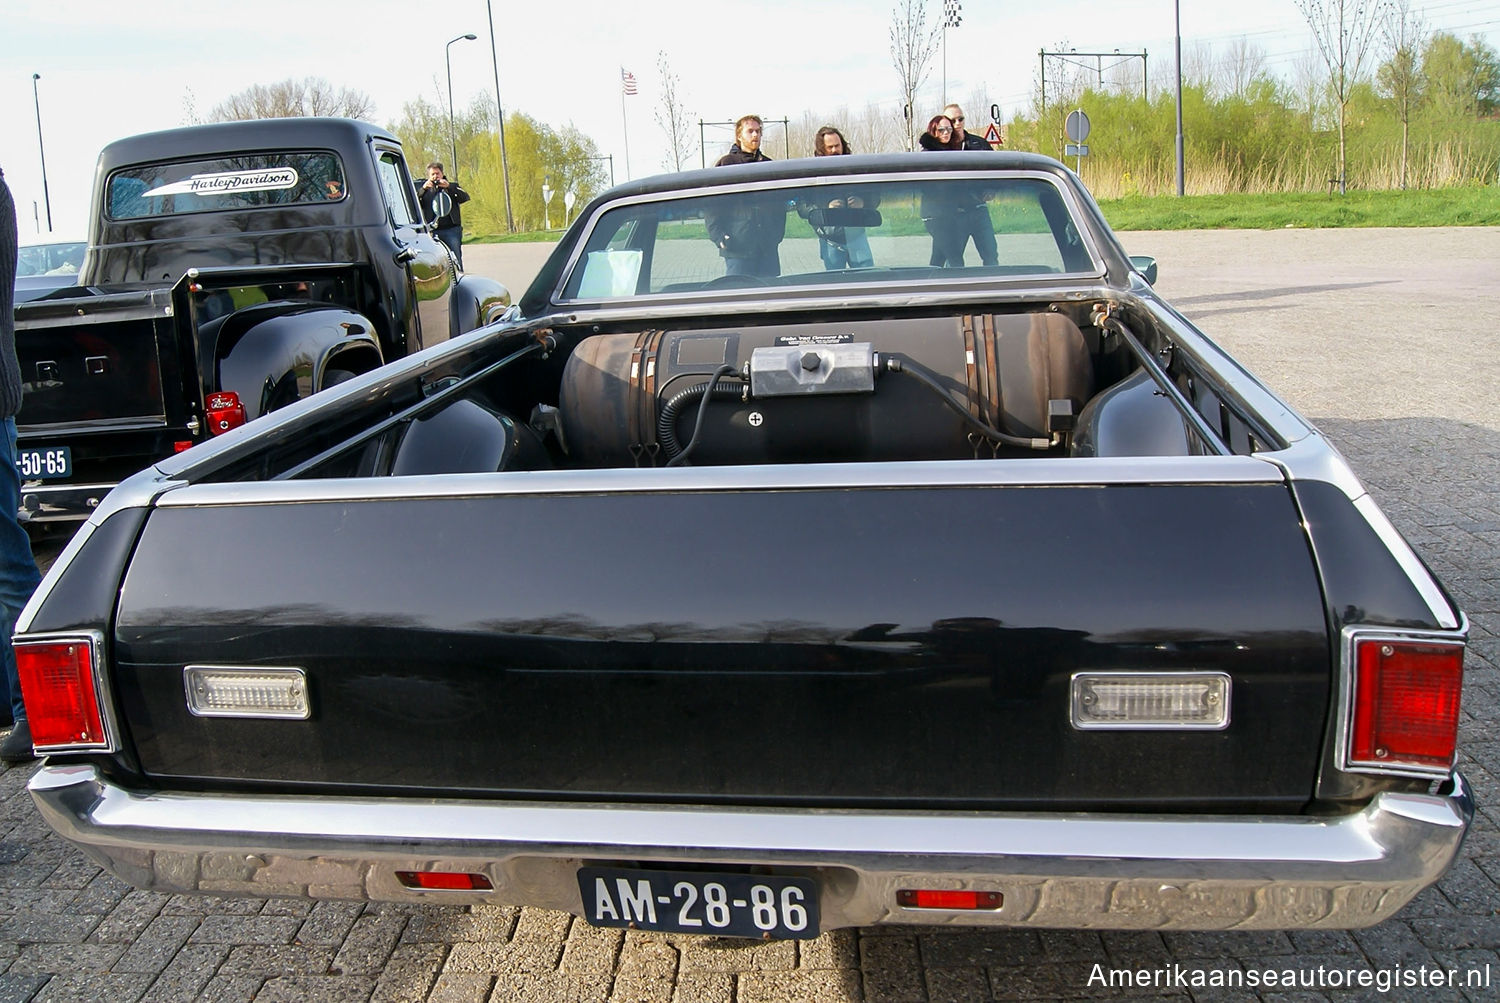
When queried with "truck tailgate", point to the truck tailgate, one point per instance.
{"points": [[94, 360], [896, 644]]}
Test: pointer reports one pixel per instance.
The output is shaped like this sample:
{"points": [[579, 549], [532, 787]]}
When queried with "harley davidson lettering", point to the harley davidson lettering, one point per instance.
{"points": [[230, 181]]}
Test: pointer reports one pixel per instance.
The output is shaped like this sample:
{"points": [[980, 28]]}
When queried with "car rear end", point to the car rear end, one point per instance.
{"points": [[1063, 698]]}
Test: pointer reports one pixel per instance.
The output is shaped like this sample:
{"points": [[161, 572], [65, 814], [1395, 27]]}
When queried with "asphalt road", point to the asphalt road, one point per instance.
{"points": [[1379, 336]]}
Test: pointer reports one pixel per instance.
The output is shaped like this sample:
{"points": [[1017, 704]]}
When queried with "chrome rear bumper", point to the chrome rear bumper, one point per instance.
{"points": [[1054, 870]]}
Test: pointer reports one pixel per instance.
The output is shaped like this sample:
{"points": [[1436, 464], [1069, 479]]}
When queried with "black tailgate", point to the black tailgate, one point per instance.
{"points": [[871, 646], [94, 360]]}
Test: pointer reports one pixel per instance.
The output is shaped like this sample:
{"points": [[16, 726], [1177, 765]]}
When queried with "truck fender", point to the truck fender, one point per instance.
{"points": [[476, 301], [272, 354]]}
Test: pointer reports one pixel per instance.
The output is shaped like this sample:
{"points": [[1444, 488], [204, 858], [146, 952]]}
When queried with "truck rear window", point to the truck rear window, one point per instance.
{"points": [[249, 181]]}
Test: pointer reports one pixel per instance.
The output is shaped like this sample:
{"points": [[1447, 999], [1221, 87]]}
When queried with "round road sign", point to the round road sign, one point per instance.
{"points": [[1077, 126]]}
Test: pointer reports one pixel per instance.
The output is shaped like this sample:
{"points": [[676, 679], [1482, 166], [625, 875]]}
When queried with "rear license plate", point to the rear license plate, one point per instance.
{"points": [[721, 905], [45, 463]]}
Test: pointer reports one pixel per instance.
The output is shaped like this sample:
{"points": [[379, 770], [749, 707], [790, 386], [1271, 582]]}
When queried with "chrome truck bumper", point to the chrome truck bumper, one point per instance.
{"points": [[1053, 870]]}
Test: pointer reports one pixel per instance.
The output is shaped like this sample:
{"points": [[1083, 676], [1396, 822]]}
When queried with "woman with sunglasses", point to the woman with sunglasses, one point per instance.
{"points": [[939, 206]]}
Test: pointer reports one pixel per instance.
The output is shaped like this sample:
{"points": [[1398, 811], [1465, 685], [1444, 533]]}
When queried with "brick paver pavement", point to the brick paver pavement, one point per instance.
{"points": [[1375, 335]]}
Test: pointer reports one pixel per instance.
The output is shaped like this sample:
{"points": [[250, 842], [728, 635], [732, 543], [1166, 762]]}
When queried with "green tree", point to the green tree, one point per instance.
{"points": [[566, 159], [1462, 78], [1343, 30], [1400, 76]]}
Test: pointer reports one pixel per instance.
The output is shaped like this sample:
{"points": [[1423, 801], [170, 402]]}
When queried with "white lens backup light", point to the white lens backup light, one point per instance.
{"points": [[1162, 701], [249, 691]]}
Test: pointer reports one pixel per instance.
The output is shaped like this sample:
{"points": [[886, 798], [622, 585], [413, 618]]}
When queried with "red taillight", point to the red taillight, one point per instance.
{"points": [[449, 881], [1405, 706], [57, 681], [182, 445], [224, 411], [938, 898]]}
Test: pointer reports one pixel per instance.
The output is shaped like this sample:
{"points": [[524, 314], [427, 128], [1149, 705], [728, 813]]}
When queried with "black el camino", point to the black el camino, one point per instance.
{"points": [[777, 564]]}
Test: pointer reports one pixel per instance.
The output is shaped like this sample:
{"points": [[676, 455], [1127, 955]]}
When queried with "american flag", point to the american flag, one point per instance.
{"points": [[627, 80]]}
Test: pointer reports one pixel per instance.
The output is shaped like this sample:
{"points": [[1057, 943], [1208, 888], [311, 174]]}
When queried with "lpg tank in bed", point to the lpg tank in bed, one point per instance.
{"points": [[1002, 369]]}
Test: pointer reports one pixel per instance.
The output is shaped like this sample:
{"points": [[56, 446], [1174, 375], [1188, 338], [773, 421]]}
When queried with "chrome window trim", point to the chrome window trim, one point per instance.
{"points": [[1031, 472], [1143, 676], [103, 694], [1351, 636], [1075, 208]]}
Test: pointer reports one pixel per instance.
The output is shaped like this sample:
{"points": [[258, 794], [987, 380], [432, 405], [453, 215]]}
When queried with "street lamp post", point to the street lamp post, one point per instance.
{"points": [[41, 148], [952, 18], [1177, 14], [448, 59], [510, 221]]}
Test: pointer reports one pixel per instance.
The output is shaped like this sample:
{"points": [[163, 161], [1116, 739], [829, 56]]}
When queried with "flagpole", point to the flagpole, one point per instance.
{"points": [[624, 123]]}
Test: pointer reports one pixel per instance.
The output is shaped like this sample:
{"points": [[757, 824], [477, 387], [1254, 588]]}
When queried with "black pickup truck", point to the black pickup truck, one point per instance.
{"points": [[757, 605], [231, 270]]}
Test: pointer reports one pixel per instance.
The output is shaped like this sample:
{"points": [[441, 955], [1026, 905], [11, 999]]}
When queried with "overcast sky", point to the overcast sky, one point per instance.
{"points": [[111, 69]]}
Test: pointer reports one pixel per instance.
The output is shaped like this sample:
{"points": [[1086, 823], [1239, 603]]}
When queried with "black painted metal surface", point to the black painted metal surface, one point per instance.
{"points": [[832, 647]]}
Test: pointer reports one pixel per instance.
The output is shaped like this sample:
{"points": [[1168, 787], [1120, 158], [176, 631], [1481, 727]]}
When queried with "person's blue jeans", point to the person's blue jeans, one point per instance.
{"points": [[453, 236], [18, 574], [853, 253]]}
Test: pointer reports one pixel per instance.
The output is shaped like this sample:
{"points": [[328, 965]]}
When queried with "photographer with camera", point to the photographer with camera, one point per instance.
{"points": [[440, 200]]}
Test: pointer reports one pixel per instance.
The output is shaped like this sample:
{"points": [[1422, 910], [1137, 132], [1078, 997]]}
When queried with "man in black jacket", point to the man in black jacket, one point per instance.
{"points": [[976, 221], [747, 229], [450, 227], [18, 574]]}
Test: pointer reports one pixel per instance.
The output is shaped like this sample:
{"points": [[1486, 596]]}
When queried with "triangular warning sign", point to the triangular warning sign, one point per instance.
{"points": [[992, 135]]}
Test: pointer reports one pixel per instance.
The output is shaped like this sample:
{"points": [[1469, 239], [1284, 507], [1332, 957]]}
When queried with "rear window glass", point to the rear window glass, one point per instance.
{"points": [[244, 182], [845, 230]]}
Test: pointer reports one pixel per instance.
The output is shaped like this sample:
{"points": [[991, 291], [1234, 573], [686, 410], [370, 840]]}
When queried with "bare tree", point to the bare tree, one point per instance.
{"points": [[912, 44], [1401, 76], [1343, 30], [1310, 84], [291, 99], [1240, 68], [1198, 68], [673, 118]]}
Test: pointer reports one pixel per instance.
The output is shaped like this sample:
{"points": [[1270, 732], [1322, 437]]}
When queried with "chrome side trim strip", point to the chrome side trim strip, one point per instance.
{"points": [[1030, 471], [136, 491], [1314, 458], [1077, 870], [1421, 578]]}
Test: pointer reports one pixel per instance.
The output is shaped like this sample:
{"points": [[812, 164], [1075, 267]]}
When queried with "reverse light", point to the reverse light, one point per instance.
{"points": [[59, 681], [251, 691], [1165, 701], [444, 881], [944, 898], [224, 411], [1403, 709]]}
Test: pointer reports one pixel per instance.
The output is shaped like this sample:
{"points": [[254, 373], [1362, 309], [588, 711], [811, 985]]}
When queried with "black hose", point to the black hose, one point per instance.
{"points": [[898, 364], [666, 421]]}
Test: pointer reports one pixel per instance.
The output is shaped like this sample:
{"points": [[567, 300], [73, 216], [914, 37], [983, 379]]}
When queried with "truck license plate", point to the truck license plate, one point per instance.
{"points": [[721, 905], [45, 463]]}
